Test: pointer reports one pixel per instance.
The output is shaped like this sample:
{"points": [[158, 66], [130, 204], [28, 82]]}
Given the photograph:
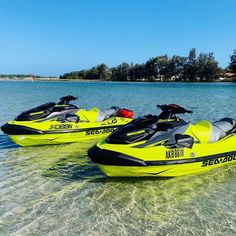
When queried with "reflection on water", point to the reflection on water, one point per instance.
{"points": [[56, 190]]}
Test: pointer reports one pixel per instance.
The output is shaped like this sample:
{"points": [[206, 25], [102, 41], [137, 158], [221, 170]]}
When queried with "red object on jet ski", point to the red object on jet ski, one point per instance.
{"points": [[125, 113], [173, 105]]}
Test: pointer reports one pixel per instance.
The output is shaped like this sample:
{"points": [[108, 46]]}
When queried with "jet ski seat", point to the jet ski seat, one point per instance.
{"points": [[103, 115], [202, 132], [95, 114], [207, 132], [221, 128]]}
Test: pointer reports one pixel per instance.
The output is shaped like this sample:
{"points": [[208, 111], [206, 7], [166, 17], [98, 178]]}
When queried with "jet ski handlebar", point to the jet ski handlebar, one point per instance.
{"points": [[66, 99], [173, 109]]}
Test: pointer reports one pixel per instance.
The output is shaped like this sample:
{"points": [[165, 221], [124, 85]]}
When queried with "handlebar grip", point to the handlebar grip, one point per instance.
{"points": [[68, 98]]}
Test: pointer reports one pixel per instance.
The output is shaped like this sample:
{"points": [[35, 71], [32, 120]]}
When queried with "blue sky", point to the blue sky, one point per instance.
{"points": [[52, 37]]}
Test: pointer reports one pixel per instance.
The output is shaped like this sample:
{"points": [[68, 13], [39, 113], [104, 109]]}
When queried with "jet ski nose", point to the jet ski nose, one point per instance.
{"points": [[5, 128], [12, 129]]}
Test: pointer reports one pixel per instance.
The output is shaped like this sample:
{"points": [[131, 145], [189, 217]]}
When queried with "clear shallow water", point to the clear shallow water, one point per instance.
{"points": [[56, 190]]}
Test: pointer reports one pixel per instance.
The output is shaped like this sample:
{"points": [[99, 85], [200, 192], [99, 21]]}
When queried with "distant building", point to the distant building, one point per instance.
{"points": [[227, 76]]}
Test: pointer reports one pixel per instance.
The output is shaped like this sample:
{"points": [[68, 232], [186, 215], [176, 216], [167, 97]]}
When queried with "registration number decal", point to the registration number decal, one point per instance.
{"points": [[174, 153]]}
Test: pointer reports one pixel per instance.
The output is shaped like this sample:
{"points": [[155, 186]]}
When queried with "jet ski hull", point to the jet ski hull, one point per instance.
{"points": [[34, 133], [159, 161]]}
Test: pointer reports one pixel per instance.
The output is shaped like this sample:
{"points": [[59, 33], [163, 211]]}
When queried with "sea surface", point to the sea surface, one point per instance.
{"points": [[57, 190]]}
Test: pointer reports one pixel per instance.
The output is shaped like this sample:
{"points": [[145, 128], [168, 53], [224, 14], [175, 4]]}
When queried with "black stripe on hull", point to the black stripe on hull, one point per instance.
{"points": [[106, 157], [24, 130]]}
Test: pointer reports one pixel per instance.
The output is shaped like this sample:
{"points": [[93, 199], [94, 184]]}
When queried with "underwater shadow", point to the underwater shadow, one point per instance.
{"points": [[73, 171]]}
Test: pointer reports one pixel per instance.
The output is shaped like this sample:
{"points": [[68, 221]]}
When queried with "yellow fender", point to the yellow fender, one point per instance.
{"points": [[88, 116]]}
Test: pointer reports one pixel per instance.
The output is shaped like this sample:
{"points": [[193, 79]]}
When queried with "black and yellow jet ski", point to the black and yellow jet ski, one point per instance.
{"points": [[63, 122], [148, 147]]}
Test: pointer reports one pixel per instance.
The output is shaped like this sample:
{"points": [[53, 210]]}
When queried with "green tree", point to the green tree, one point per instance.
{"points": [[103, 72], [232, 64], [192, 55], [174, 68], [151, 69], [137, 72], [121, 73], [163, 67], [92, 74], [208, 69], [156, 67], [190, 66]]}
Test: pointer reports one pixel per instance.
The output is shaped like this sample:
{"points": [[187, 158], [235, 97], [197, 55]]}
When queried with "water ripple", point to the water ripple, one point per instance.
{"points": [[56, 190]]}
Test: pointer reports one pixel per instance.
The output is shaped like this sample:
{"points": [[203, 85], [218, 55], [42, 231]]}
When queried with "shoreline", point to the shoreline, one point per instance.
{"points": [[45, 80], [83, 80]]}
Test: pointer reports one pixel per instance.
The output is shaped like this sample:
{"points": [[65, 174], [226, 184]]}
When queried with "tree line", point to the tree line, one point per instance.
{"points": [[202, 67]]}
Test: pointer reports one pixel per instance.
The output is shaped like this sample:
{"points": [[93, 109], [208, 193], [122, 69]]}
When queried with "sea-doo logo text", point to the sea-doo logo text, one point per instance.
{"points": [[101, 131], [218, 160], [113, 121], [110, 122], [61, 126], [174, 153]]}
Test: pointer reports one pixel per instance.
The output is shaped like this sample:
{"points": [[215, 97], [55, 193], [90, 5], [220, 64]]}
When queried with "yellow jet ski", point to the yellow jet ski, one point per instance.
{"points": [[160, 149], [63, 122]]}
